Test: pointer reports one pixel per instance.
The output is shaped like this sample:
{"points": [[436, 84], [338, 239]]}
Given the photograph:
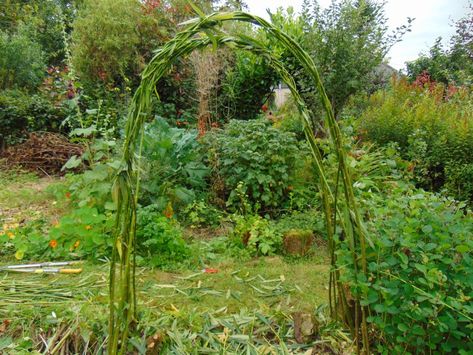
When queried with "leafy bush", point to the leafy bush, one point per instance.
{"points": [[246, 87], [21, 113], [433, 131], [159, 238], [201, 214], [347, 40], [310, 220], [173, 165], [84, 232], [451, 65], [105, 39], [21, 61], [93, 187], [257, 155], [256, 234], [420, 266]]}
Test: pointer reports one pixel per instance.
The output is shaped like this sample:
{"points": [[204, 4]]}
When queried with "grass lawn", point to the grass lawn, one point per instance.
{"points": [[34, 307]]}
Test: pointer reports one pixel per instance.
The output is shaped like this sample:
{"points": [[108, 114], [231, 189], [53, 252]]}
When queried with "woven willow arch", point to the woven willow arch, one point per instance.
{"points": [[200, 33]]}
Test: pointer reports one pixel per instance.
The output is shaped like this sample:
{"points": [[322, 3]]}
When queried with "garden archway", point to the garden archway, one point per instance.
{"points": [[200, 33]]}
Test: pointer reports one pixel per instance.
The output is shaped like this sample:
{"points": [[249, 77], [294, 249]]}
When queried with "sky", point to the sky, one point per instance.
{"points": [[433, 18]]}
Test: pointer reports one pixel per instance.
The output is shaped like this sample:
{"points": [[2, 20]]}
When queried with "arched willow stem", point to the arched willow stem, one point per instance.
{"points": [[200, 33]]}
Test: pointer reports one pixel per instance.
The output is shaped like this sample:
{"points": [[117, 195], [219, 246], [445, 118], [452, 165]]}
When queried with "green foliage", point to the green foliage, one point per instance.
{"points": [[347, 41], [21, 113], [173, 166], [85, 232], [418, 287], [433, 132], [201, 214], [82, 233], [310, 220], [159, 238], [103, 108], [105, 40], [447, 66], [48, 22], [257, 234], [93, 187], [246, 87], [22, 62], [256, 154], [453, 65]]}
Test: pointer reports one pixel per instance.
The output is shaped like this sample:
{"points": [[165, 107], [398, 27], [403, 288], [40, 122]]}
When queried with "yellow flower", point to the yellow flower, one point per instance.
{"points": [[10, 235], [7, 226], [88, 227], [76, 244]]}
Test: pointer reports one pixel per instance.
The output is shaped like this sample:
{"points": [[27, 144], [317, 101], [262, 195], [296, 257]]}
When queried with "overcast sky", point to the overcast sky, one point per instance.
{"points": [[433, 18]]}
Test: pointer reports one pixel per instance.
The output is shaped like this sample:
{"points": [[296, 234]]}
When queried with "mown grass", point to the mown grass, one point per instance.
{"points": [[24, 197], [34, 303]]}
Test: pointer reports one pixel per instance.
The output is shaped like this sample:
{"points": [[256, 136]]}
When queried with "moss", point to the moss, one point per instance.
{"points": [[298, 241]]}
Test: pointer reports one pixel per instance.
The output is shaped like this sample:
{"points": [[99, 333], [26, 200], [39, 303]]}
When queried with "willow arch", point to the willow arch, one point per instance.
{"points": [[200, 33]]}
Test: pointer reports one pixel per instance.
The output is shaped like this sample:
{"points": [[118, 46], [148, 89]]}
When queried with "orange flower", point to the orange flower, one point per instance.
{"points": [[68, 195], [87, 227], [53, 243], [168, 211]]}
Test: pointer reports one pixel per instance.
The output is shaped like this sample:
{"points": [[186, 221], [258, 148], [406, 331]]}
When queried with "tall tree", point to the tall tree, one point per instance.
{"points": [[347, 40], [452, 65]]}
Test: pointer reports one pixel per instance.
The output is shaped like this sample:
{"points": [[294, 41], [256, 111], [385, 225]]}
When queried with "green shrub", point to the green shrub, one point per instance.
{"points": [[432, 130], [21, 113], [257, 155], [256, 234], [93, 186], [82, 233], [173, 166], [419, 285], [246, 86], [201, 214], [159, 238], [310, 220], [22, 62], [105, 39]]}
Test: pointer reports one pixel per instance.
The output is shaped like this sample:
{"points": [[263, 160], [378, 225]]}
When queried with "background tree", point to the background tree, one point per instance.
{"points": [[347, 40], [48, 23], [22, 62], [451, 65], [105, 40]]}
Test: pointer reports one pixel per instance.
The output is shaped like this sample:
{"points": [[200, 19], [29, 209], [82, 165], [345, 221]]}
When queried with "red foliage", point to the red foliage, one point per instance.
{"points": [[150, 5]]}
